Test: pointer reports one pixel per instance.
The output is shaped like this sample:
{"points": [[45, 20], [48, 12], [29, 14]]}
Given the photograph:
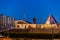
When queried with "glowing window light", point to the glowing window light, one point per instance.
{"points": [[48, 22], [22, 26], [42, 26], [55, 26]]}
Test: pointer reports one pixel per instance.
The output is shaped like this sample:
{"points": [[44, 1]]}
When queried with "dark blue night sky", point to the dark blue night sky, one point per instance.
{"points": [[28, 9]]}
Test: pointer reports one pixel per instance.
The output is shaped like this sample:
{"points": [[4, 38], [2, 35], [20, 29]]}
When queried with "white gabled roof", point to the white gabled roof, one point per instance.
{"points": [[51, 20]]}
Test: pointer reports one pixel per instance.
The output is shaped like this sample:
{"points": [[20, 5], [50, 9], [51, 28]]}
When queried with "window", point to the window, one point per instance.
{"points": [[20, 22], [48, 22], [18, 26], [22, 26], [42, 26]]}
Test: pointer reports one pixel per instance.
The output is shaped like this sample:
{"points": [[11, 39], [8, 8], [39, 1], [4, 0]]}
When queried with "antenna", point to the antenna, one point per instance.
{"points": [[24, 17]]}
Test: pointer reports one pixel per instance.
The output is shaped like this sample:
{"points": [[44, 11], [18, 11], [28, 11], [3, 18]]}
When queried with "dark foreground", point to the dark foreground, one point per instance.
{"points": [[32, 35]]}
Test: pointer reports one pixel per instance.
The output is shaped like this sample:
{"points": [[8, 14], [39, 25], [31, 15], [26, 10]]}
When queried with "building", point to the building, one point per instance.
{"points": [[6, 20], [50, 23], [22, 24], [1, 19]]}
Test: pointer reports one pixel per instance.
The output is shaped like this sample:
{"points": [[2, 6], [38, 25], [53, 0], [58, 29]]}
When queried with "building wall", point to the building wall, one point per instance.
{"points": [[23, 26], [1, 19], [46, 26], [6, 20]]}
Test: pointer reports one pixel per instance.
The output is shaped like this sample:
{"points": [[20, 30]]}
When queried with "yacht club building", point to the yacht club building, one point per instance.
{"points": [[50, 23]]}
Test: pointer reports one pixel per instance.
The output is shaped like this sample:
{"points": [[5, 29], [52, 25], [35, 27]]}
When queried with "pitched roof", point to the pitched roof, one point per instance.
{"points": [[23, 22], [51, 20]]}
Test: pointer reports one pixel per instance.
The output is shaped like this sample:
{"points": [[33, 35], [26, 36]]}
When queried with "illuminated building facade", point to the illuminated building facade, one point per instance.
{"points": [[23, 24], [6, 20], [50, 23]]}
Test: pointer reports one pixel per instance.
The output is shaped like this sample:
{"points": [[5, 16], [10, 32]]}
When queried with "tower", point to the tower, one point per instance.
{"points": [[34, 20]]}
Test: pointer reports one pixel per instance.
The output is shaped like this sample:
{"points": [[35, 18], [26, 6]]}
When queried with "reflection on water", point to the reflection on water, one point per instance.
{"points": [[24, 39]]}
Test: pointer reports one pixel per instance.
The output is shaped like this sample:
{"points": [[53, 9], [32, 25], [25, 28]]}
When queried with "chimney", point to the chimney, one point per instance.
{"points": [[34, 20]]}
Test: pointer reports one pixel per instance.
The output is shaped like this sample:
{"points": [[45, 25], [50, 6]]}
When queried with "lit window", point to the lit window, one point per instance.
{"points": [[22, 26], [48, 22], [18, 26], [42, 26], [54, 26]]}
